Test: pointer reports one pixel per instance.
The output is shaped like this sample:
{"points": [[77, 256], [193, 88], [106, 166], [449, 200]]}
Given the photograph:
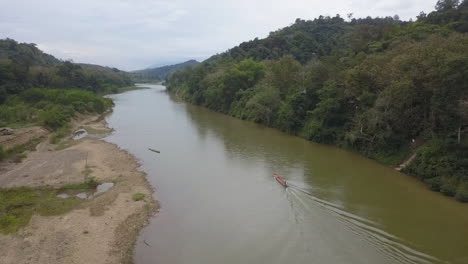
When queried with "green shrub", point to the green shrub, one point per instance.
{"points": [[440, 158], [434, 183], [33, 95], [391, 157], [20, 113], [99, 105], [54, 118], [448, 186], [462, 192], [60, 133]]}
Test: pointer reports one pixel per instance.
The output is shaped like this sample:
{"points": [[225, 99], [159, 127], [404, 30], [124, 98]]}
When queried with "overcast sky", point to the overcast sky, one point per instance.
{"points": [[133, 34]]}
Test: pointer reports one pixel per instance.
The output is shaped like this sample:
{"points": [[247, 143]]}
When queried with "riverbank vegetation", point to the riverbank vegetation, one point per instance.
{"points": [[380, 86], [51, 108], [38, 89]]}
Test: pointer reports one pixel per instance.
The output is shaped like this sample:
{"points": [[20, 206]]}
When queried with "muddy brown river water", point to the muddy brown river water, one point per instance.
{"points": [[220, 203]]}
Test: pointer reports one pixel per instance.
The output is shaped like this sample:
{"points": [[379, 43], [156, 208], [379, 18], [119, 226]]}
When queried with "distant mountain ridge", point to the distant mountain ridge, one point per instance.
{"points": [[160, 73]]}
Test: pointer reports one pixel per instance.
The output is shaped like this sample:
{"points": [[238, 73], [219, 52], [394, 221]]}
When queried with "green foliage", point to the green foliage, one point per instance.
{"points": [[443, 165], [24, 66], [17, 206], [88, 185], [36, 88], [16, 153], [449, 13], [434, 183], [448, 185], [462, 192], [55, 118], [440, 158], [261, 107], [303, 40], [52, 108], [324, 119], [3, 153], [375, 85], [25, 53], [60, 133], [392, 157], [292, 113], [284, 74], [241, 76], [138, 196]]}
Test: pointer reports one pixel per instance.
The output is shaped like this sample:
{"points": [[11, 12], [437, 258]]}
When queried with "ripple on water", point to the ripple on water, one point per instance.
{"points": [[391, 246]]}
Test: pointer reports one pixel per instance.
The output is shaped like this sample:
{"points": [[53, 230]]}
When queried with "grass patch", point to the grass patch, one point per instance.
{"points": [[18, 205], [88, 185], [16, 153], [18, 125], [138, 196]]}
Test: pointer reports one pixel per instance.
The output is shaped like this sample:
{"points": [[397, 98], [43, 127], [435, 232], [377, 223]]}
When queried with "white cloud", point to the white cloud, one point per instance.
{"points": [[132, 34]]}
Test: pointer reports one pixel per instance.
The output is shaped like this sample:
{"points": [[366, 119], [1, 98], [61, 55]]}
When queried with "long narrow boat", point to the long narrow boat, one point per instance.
{"points": [[280, 180]]}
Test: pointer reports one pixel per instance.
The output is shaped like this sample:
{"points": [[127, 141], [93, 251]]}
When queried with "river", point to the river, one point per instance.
{"points": [[220, 203]]}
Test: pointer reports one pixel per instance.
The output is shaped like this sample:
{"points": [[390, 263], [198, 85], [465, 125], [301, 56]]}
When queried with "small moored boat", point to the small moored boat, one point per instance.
{"points": [[157, 151], [280, 180]]}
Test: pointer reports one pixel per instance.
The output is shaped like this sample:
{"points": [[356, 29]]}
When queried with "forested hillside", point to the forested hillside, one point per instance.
{"points": [[37, 88], [160, 73], [23, 66], [381, 86]]}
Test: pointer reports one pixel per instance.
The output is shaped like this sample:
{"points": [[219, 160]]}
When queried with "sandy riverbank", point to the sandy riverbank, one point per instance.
{"points": [[100, 230]]}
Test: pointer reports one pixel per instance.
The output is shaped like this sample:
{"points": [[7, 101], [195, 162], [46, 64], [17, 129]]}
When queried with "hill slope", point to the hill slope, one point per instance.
{"points": [[160, 73], [38, 89], [24, 53], [379, 86], [24, 66]]}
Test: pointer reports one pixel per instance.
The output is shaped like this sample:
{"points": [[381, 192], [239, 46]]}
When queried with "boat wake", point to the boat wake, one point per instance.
{"points": [[391, 246]]}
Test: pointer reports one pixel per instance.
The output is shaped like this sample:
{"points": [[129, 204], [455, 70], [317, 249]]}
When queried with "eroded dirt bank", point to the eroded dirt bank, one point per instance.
{"points": [[100, 230]]}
